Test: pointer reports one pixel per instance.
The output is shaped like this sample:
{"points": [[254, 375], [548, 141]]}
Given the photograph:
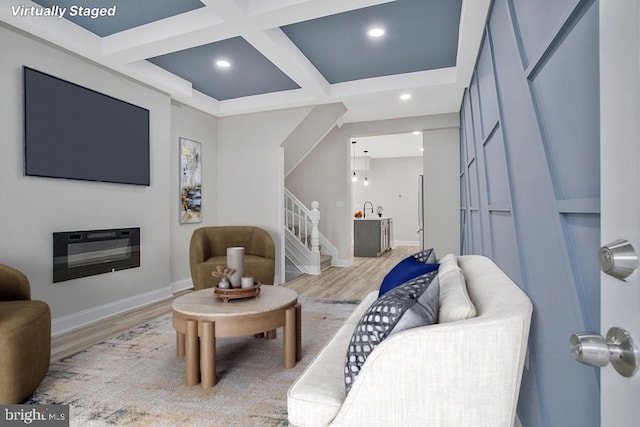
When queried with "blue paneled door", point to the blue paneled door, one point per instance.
{"points": [[531, 170]]}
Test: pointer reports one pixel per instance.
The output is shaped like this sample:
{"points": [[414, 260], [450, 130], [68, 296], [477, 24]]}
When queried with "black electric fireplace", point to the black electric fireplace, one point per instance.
{"points": [[86, 253]]}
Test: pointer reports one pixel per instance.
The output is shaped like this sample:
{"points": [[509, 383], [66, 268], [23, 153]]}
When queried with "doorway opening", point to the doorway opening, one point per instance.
{"points": [[386, 187]]}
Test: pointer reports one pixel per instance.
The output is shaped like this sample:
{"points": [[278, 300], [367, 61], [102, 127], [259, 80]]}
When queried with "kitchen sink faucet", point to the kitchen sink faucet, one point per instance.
{"points": [[364, 209]]}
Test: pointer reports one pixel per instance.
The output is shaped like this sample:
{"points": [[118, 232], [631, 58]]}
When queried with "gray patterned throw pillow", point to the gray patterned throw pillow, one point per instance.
{"points": [[412, 304], [427, 256]]}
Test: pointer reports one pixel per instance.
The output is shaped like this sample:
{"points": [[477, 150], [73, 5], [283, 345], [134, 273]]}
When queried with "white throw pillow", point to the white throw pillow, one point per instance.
{"points": [[455, 303]]}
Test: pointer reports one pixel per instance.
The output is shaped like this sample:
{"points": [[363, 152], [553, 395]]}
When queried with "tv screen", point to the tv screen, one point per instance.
{"points": [[74, 132]]}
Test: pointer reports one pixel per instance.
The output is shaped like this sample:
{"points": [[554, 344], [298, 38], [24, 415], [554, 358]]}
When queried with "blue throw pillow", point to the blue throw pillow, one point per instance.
{"points": [[407, 269]]}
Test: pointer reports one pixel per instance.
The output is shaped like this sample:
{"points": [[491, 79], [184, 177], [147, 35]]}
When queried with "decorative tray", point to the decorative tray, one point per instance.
{"points": [[237, 293]]}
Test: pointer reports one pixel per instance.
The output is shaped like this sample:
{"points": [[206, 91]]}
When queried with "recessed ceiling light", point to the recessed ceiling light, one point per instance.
{"points": [[223, 63], [376, 32], [416, 132], [405, 96]]}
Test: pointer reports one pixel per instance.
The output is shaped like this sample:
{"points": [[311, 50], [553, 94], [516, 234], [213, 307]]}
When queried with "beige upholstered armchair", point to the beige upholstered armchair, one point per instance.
{"points": [[209, 249], [25, 337]]}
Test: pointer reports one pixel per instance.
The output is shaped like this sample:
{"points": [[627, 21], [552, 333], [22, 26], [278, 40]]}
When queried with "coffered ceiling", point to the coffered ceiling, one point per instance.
{"points": [[276, 53]]}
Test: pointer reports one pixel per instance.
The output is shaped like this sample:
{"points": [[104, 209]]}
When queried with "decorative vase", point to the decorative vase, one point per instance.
{"points": [[224, 284], [235, 260], [246, 282]]}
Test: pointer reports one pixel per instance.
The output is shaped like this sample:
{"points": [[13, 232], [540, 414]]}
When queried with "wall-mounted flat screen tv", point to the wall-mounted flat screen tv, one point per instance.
{"points": [[74, 132]]}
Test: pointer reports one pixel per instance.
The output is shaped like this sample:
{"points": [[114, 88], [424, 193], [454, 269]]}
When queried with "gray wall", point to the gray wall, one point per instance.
{"points": [[530, 184]]}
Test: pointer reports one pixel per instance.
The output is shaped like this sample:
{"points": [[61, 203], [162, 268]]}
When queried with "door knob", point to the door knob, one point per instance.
{"points": [[592, 349], [618, 259]]}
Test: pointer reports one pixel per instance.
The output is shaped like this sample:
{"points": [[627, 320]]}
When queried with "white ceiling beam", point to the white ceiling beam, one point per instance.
{"points": [[265, 102], [273, 45], [398, 82], [158, 77], [231, 11], [201, 102], [168, 35], [386, 105], [472, 23], [281, 51], [276, 13]]}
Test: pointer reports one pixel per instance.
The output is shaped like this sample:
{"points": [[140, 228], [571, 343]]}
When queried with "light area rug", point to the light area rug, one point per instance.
{"points": [[136, 379]]}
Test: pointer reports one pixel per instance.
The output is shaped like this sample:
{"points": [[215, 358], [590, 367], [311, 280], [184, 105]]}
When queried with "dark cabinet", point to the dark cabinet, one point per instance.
{"points": [[371, 237]]}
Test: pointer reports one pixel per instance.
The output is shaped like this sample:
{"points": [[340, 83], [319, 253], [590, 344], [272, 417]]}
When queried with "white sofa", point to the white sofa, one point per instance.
{"points": [[457, 373]]}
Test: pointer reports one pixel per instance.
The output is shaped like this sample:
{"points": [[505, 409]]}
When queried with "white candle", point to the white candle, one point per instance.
{"points": [[247, 282], [235, 260]]}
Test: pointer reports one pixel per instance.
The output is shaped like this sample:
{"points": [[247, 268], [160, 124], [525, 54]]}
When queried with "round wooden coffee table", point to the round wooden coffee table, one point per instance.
{"points": [[199, 317]]}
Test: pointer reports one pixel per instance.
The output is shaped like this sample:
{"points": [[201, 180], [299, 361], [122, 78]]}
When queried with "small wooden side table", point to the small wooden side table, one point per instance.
{"points": [[199, 317]]}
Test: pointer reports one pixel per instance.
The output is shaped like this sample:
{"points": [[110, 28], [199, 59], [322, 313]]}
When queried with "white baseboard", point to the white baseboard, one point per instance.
{"points": [[341, 262], [61, 325], [405, 243], [181, 285]]}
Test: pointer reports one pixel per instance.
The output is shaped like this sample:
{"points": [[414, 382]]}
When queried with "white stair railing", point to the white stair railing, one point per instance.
{"points": [[303, 235], [303, 222]]}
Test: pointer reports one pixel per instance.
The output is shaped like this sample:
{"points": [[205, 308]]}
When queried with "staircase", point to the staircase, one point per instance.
{"points": [[305, 248]]}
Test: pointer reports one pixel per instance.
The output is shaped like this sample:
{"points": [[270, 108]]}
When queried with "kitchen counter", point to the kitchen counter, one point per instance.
{"points": [[371, 236], [376, 218]]}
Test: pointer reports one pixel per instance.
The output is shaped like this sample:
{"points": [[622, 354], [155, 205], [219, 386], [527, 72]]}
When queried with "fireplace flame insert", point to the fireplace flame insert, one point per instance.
{"points": [[86, 253]]}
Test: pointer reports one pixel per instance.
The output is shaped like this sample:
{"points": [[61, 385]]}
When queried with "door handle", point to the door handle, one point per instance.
{"points": [[592, 349], [618, 259]]}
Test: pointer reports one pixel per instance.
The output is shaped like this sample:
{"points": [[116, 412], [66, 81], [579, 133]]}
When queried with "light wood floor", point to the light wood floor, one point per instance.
{"points": [[337, 283], [350, 283]]}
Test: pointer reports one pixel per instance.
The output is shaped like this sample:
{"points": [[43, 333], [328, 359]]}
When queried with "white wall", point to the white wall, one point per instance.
{"points": [[393, 184], [441, 158], [195, 125], [250, 172], [32, 208]]}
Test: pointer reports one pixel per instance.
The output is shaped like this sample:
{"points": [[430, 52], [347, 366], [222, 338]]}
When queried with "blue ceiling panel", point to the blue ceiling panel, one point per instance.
{"points": [[420, 35], [250, 72], [128, 13]]}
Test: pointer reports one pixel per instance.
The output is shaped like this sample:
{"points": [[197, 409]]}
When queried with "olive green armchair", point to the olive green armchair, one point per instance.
{"points": [[208, 249], [25, 338]]}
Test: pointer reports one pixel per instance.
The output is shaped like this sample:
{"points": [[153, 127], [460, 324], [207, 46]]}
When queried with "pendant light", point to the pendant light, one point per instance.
{"points": [[366, 168], [354, 178]]}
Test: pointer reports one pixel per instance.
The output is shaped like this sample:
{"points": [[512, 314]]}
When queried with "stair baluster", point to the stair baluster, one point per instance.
{"points": [[315, 220]]}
